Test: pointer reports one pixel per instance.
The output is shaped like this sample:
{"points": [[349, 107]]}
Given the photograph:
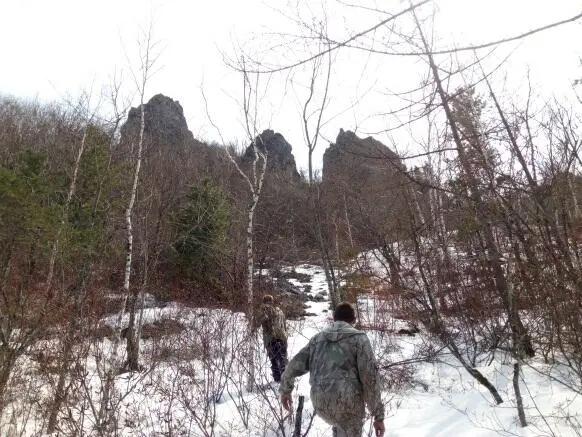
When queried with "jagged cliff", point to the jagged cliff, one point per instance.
{"points": [[365, 159], [280, 159], [165, 125], [364, 188]]}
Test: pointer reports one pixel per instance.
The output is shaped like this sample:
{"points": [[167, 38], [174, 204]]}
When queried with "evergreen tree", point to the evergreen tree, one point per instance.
{"points": [[201, 226]]}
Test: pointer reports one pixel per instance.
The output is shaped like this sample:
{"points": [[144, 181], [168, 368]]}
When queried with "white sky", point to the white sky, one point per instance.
{"points": [[52, 49]]}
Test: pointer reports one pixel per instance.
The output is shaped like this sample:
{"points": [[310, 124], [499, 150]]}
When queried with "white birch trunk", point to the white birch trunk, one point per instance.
{"points": [[106, 412], [250, 292], [255, 184], [256, 189], [129, 224], [348, 224], [250, 255], [70, 194], [573, 193], [336, 239]]}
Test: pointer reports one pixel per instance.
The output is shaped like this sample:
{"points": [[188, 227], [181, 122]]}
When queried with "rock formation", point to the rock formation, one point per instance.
{"points": [[280, 159], [364, 186], [165, 125], [364, 161]]}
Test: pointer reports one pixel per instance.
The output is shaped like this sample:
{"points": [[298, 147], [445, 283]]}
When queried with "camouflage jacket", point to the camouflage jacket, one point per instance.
{"points": [[342, 372], [272, 319]]}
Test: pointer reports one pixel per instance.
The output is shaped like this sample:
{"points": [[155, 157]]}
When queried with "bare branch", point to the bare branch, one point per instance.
{"points": [[348, 43]]}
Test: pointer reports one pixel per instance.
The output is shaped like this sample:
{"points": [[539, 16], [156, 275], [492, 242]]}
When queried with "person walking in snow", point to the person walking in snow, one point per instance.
{"points": [[272, 320], [342, 373]]}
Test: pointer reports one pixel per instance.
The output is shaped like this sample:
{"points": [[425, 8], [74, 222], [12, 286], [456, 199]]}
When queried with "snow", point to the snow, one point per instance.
{"points": [[194, 384]]}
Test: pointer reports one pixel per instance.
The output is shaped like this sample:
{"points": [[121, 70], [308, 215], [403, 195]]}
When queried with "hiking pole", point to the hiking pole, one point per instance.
{"points": [[298, 414]]}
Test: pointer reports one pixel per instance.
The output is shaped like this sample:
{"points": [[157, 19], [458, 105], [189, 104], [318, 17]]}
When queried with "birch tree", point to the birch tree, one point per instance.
{"points": [[147, 57], [105, 410], [253, 178], [92, 203]]}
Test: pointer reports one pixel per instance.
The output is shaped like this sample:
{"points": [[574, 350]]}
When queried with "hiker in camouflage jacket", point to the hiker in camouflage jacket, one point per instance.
{"points": [[272, 320], [343, 375]]}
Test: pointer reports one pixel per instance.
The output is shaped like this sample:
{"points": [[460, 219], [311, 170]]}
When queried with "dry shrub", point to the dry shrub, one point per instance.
{"points": [[387, 292], [357, 284], [103, 331], [161, 328], [294, 310], [168, 352], [393, 303], [47, 359], [577, 230], [399, 378]]}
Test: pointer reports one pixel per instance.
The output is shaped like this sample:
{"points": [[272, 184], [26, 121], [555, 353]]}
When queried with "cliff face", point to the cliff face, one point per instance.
{"points": [[168, 140], [280, 159], [165, 125], [364, 187], [363, 161]]}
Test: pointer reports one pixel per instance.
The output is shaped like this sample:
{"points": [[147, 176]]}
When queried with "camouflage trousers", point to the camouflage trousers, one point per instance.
{"points": [[277, 352], [338, 404], [348, 430]]}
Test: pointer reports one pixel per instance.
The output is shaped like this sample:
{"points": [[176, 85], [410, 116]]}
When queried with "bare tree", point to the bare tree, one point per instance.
{"points": [[254, 178], [108, 402], [148, 58], [78, 290], [312, 134]]}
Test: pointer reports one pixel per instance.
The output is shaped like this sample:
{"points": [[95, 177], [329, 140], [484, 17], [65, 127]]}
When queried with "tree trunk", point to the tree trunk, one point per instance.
{"points": [[60, 391], [132, 344], [73, 326], [348, 224], [481, 213], [326, 259], [255, 188], [314, 194], [518, 398], [71, 192], [8, 359], [450, 344], [434, 324], [250, 292], [132, 337]]}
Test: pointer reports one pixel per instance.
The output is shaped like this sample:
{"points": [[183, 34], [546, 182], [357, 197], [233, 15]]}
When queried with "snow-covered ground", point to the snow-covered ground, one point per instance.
{"points": [[195, 384]]}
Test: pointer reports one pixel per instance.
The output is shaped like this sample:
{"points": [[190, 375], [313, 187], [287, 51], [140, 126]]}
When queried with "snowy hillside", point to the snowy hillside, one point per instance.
{"points": [[194, 384]]}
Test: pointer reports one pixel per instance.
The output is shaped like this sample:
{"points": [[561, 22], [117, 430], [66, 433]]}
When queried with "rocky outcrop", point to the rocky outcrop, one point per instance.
{"points": [[366, 159], [280, 159], [364, 188], [165, 125], [168, 139]]}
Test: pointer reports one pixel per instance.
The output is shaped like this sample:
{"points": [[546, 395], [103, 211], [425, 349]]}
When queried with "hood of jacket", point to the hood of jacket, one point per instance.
{"points": [[338, 331]]}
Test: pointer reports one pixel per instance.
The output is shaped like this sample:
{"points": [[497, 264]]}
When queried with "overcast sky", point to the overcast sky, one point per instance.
{"points": [[52, 49]]}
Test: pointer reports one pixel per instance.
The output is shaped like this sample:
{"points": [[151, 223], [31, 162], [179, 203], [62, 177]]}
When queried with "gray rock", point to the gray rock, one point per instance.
{"points": [[165, 125], [280, 157], [362, 174]]}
